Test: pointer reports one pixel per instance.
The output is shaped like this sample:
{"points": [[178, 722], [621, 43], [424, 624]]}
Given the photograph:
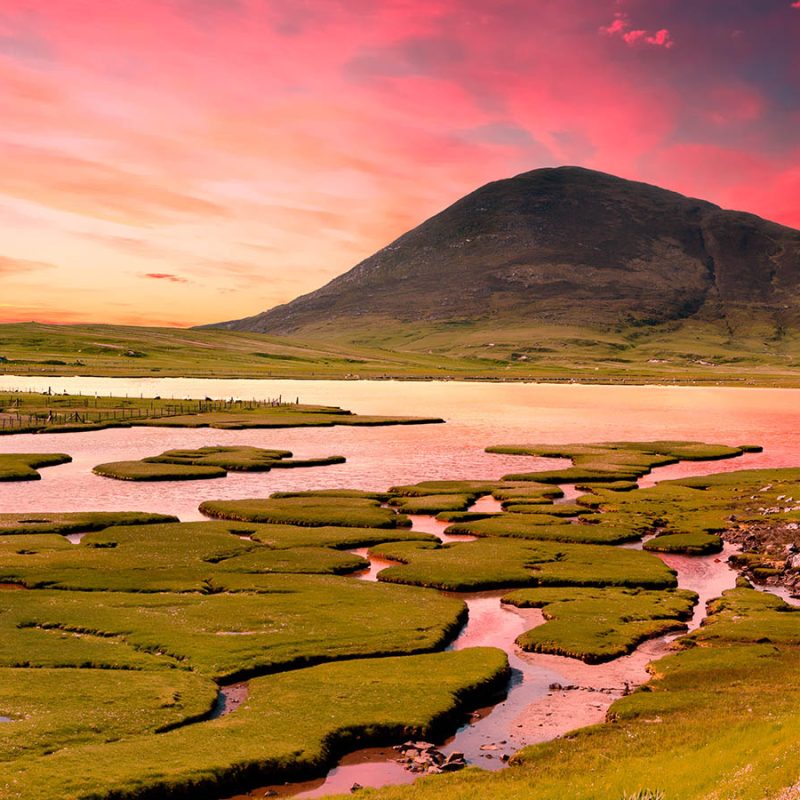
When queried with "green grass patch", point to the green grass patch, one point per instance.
{"points": [[207, 462], [473, 488], [747, 616], [145, 471], [433, 503], [547, 528], [351, 512], [552, 510], [25, 466], [611, 486], [337, 537], [93, 707], [381, 497], [597, 625], [695, 544], [292, 724], [465, 516], [293, 621], [528, 492], [75, 521], [239, 459], [495, 563], [607, 462]]}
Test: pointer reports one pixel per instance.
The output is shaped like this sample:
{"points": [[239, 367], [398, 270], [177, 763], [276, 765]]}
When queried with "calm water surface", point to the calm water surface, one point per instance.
{"points": [[477, 414]]}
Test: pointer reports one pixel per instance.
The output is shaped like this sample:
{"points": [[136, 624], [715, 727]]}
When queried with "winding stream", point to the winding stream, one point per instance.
{"points": [[547, 696]]}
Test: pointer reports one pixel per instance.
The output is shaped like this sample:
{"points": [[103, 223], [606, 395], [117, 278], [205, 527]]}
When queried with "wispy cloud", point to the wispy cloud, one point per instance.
{"points": [[102, 190], [165, 276], [20, 266]]}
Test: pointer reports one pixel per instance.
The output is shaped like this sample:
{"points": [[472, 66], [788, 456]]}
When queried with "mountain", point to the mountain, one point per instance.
{"points": [[563, 247]]}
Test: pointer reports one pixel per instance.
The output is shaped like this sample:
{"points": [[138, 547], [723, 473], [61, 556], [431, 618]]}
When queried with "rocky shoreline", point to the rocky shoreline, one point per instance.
{"points": [[768, 555]]}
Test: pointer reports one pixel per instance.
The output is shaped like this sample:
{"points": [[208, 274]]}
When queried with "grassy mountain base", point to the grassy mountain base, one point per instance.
{"points": [[682, 352]]}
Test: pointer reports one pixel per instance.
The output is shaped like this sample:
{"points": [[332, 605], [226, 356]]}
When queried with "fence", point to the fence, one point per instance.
{"points": [[16, 420]]}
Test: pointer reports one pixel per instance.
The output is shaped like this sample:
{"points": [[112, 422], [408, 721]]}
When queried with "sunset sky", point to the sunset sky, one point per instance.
{"points": [[174, 162]]}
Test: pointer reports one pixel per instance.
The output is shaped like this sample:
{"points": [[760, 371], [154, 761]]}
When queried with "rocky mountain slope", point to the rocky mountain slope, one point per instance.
{"points": [[565, 247]]}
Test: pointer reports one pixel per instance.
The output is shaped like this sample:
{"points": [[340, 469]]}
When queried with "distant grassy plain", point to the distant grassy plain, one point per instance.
{"points": [[691, 352]]}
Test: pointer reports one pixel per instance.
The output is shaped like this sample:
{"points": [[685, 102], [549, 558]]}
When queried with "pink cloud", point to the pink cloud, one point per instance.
{"points": [[621, 26]]}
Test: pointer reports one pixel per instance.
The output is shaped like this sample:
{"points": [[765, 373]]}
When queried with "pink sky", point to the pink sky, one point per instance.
{"points": [[187, 161]]}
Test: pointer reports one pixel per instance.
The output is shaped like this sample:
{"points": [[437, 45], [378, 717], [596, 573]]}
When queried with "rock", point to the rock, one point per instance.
{"points": [[356, 787], [454, 762], [489, 747], [504, 757]]}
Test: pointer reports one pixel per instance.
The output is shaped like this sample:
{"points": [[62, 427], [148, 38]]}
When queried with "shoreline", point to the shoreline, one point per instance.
{"points": [[545, 381]]}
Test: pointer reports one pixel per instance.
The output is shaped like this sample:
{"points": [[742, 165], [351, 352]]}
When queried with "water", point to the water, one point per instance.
{"points": [[478, 415]]}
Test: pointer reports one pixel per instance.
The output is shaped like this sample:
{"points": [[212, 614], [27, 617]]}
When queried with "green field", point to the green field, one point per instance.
{"points": [[293, 622], [75, 521], [690, 352], [292, 724]]}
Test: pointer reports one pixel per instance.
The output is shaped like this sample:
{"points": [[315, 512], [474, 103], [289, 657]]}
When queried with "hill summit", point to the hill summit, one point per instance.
{"points": [[565, 247]]}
